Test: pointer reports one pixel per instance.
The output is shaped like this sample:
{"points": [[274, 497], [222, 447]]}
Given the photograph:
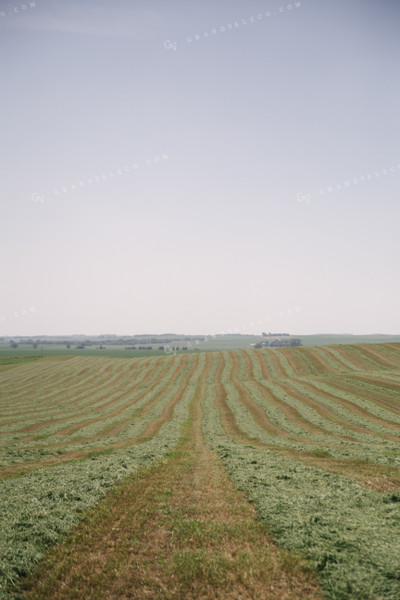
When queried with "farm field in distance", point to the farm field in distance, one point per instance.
{"points": [[156, 345], [135, 475]]}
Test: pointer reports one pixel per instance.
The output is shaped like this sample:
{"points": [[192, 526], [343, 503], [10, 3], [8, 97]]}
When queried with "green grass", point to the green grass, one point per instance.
{"points": [[16, 360], [305, 490]]}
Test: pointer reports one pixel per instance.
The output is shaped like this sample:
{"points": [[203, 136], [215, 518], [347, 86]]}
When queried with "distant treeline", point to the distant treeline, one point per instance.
{"points": [[122, 341], [279, 343]]}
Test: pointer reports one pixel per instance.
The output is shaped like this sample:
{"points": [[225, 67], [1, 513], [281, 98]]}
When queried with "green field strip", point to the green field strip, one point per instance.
{"points": [[335, 365], [271, 367], [16, 380], [45, 504], [133, 435], [311, 366], [153, 382], [158, 379], [149, 406], [65, 372], [293, 416], [50, 431], [324, 361], [297, 363], [103, 411], [193, 368], [347, 418], [371, 361], [241, 398], [332, 412], [340, 357], [379, 356], [376, 468], [350, 453], [42, 394], [311, 410], [349, 450], [358, 400], [65, 395], [285, 395], [383, 454], [295, 412], [360, 362], [291, 413], [272, 427], [392, 350], [369, 416], [307, 362], [97, 399], [329, 519], [389, 382], [285, 363], [146, 413], [381, 395]]}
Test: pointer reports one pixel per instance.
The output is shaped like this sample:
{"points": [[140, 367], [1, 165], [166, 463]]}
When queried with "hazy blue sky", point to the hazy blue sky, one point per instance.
{"points": [[226, 222]]}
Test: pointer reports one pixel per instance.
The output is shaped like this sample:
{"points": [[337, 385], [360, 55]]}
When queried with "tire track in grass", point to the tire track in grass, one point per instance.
{"points": [[176, 531]]}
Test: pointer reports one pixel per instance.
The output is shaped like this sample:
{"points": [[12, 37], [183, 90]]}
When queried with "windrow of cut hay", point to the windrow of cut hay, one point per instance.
{"points": [[38, 507], [311, 434], [337, 502]]}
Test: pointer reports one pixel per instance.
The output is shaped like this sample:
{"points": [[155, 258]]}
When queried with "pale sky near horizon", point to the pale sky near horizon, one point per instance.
{"points": [[244, 181]]}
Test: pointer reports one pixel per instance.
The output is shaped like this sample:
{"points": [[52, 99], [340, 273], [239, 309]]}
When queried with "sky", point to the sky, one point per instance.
{"points": [[199, 168]]}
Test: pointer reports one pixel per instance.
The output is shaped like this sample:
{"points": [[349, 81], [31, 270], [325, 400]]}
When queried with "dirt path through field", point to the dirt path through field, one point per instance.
{"points": [[176, 531]]}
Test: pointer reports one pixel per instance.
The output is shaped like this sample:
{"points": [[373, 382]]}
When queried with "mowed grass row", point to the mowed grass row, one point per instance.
{"points": [[81, 406], [342, 514], [39, 506], [295, 414], [118, 417], [329, 414]]}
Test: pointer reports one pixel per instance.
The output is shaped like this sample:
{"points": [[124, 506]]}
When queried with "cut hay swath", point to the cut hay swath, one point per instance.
{"points": [[312, 435]]}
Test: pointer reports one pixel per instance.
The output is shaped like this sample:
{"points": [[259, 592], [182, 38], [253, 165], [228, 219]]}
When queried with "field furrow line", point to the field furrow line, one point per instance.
{"points": [[289, 411], [351, 405]]}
